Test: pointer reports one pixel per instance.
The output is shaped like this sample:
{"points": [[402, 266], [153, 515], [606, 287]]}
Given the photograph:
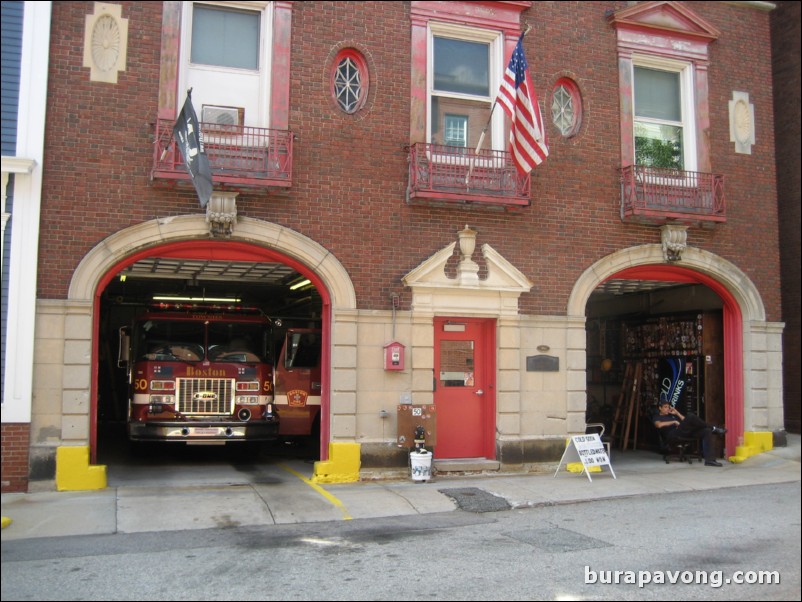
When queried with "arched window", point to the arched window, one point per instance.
{"points": [[349, 80]]}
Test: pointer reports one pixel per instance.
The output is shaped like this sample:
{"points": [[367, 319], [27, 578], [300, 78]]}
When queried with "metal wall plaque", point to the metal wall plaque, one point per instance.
{"points": [[412, 416], [542, 363]]}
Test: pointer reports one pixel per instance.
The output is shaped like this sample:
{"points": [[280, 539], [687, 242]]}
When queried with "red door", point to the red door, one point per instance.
{"points": [[464, 391]]}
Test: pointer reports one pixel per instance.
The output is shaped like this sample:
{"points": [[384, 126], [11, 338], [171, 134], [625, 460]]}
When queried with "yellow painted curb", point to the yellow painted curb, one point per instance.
{"points": [[755, 442], [341, 467], [74, 473], [577, 467], [763, 441]]}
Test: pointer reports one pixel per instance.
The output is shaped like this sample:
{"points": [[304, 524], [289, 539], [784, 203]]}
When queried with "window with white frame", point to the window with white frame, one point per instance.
{"points": [[226, 49], [464, 76], [663, 115], [566, 107], [348, 84], [350, 80], [456, 130]]}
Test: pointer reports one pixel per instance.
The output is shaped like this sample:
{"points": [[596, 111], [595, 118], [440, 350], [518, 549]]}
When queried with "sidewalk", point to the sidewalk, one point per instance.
{"points": [[280, 493]]}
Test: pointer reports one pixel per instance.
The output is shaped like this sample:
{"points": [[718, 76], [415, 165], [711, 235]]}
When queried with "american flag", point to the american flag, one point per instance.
{"points": [[528, 143]]}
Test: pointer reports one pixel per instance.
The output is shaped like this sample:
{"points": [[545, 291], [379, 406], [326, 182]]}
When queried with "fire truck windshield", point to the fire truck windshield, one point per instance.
{"points": [[198, 340], [238, 342], [165, 340]]}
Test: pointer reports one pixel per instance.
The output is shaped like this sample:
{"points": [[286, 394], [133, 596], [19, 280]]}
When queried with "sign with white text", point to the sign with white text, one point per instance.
{"points": [[591, 452]]}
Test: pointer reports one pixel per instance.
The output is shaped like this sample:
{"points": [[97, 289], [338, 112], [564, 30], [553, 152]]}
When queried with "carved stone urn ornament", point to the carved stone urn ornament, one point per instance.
{"points": [[468, 269]]}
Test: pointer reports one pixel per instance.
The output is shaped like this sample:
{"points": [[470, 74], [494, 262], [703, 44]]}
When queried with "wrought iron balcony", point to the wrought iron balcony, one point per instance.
{"points": [[452, 173], [238, 155], [654, 196]]}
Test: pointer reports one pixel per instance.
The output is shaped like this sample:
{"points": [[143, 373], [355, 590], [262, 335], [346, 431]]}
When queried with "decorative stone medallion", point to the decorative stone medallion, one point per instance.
{"points": [[105, 43], [742, 122]]}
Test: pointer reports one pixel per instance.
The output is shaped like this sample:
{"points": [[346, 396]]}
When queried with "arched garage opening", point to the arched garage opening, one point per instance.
{"points": [[739, 305], [229, 274], [255, 246], [642, 317]]}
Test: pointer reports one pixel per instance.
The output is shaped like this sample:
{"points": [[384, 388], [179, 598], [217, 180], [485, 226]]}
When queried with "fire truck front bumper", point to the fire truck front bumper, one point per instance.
{"points": [[199, 432]]}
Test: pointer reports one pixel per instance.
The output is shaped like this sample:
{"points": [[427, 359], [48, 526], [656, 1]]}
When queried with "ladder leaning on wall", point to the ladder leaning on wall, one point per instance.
{"points": [[625, 418]]}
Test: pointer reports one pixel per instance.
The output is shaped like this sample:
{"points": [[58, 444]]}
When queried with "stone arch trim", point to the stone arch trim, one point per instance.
{"points": [[748, 402], [728, 274], [153, 233], [94, 270]]}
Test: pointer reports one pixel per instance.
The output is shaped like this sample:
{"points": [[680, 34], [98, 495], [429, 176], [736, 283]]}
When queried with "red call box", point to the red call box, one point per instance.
{"points": [[394, 356]]}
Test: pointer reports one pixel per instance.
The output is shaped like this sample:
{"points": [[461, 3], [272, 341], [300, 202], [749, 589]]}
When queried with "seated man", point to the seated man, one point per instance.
{"points": [[688, 427]]}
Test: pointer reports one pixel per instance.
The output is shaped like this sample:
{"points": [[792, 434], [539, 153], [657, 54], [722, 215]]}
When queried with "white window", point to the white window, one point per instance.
{"points": [[663, 120], [350, 80], [348, 85], [456, 130], [463, 80], [566, 107], [226, 59]]}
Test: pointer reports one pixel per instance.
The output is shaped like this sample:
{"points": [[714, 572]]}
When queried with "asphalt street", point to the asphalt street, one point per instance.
{"points": [[573, 551]]}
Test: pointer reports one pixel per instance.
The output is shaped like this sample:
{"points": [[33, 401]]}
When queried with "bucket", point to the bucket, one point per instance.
{"points": [[421, 463]]}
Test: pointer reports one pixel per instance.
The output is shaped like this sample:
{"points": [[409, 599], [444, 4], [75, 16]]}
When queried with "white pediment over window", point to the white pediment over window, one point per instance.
{"points": [[434, 291], [665, 18]]}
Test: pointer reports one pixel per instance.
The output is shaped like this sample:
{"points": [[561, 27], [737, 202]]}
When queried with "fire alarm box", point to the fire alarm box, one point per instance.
{"points": [[394, 356]]}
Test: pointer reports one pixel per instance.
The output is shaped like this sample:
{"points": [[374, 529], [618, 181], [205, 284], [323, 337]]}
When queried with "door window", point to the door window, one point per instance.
{"points": [[457, 363]]}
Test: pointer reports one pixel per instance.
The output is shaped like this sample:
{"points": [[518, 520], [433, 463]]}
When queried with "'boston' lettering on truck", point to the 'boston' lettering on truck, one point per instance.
{"points": [[200, 378]]}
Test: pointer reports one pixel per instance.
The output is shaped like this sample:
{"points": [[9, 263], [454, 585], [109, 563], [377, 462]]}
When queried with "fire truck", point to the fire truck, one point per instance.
{"points": [[298, 382], [199, 375]]}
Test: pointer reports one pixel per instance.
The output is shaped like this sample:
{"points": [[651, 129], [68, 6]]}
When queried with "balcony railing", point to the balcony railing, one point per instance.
{"points": [[655, 196], [452, 173], [238, 155]]}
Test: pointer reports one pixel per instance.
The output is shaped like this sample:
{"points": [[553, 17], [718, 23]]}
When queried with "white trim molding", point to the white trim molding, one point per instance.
{"points": [[24, 249]]}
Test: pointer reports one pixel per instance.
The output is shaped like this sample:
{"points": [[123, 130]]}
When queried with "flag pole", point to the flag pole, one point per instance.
{"points": [[172, 135], [479, 145], [487, 125]]}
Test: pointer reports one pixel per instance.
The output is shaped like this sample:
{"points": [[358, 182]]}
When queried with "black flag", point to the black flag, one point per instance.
{"points": [[189, 138]]}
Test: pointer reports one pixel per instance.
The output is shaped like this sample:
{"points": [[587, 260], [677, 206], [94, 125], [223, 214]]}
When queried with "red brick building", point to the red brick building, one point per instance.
{"points": [[650, 230], [787, 70]]}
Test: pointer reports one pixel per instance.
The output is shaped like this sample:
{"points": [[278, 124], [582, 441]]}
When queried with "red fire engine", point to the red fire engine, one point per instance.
{"points": [[200, 375], [298, 382]]}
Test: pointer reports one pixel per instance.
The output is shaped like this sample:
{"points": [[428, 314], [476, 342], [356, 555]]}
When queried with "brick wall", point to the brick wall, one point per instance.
{"points": [[350, 172], [786, 52], [15, 443]]}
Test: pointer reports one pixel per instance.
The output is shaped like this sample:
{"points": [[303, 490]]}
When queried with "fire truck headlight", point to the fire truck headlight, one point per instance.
{"points": [[248, 400], [162, 385]]}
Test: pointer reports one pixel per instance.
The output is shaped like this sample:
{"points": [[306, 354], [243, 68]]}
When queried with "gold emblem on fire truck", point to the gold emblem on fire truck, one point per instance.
{"points": [[297, 398]]}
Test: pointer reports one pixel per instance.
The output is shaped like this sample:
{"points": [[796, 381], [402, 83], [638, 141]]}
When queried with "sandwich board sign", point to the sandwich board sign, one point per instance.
{"points": [[591, 452]]}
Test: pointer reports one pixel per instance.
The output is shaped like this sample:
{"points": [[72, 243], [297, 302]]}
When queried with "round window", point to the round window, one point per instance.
{"points": [[349, 80], [566, 107]]}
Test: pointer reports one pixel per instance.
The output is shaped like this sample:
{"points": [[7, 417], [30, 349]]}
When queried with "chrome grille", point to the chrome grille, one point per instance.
{"points": [[205, 396]]}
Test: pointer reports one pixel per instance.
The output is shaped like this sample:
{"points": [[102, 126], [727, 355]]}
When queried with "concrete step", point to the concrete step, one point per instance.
{"points": [[466, 465]]}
